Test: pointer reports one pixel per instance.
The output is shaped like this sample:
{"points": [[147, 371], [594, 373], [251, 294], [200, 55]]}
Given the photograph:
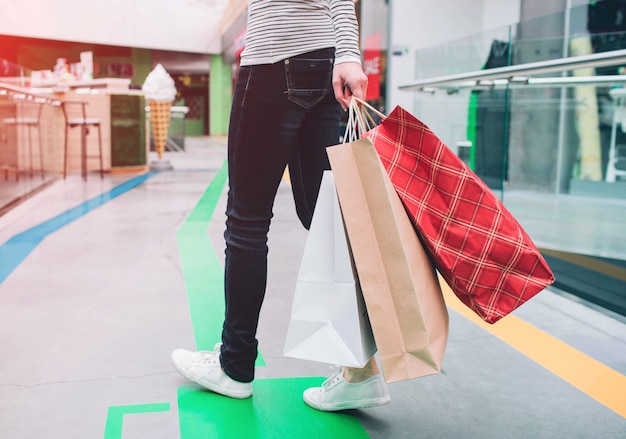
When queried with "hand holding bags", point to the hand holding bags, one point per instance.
{"points": [[479, 248], [328, 321], [402, 293]]}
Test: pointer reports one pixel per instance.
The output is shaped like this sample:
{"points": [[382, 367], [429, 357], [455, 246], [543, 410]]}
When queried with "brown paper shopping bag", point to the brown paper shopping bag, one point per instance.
{"points": [[402, 293]]}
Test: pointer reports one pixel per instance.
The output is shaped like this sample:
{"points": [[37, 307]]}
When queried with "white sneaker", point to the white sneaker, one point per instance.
{"points": [[204, 368], [338, 394]]}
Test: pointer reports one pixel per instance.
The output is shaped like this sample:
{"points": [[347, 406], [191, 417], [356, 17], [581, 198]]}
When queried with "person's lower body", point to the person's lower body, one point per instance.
{"points": [[282, 114]]}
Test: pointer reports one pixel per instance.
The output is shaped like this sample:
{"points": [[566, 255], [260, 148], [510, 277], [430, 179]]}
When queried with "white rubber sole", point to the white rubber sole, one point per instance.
{"points": [[348, 405], [213, 387]]}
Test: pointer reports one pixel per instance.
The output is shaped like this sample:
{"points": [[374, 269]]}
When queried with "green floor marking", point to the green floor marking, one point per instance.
{"points": [[115, 416], [276, 410], [202, 270]]}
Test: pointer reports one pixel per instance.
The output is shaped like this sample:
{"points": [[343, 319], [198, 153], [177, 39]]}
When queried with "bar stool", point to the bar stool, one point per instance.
{"points": [[75, 114], [6, 168], [28, 114]]}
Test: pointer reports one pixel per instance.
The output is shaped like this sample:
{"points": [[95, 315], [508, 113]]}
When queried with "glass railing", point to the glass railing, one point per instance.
{"points": [[554, 153], [28, 161], [13, 74]]}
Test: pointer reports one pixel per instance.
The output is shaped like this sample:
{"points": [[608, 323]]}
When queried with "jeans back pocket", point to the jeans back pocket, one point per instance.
{"points": [[308, 80]]}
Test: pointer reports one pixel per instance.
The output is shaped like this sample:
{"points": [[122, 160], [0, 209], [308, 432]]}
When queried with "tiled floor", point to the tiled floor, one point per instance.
{"points": [[99, 282]]}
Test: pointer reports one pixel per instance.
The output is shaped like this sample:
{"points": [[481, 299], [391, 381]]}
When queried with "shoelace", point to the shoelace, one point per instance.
{"points": [[206, 358], [333, 379]]}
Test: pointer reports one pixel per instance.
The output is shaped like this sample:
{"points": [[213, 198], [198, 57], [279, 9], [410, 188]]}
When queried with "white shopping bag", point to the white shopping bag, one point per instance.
{"points": [[329, 322]]}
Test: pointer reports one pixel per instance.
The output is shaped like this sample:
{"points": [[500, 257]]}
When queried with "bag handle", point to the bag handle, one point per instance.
{"points": [[359, 119], [354, 129], [370, 108]]}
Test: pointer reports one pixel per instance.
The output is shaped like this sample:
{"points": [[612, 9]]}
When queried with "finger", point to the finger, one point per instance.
{"points": [[347, 96], [360, 91], [340, 95]]}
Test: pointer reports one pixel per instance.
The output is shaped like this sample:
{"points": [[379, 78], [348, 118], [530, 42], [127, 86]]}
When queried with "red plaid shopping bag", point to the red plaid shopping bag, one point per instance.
{"points": [[479, 248]]}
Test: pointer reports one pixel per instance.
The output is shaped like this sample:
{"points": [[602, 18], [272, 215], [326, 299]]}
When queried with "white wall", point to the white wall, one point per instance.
{"points": [[179, 25], [419, 25], [499, 13]]}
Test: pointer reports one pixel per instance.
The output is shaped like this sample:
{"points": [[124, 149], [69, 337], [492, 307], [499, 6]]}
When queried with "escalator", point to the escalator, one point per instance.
{"points": [[601, 281]]}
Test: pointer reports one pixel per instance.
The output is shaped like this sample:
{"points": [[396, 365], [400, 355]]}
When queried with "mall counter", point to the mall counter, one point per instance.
{"points": [[122, 119], [33, 127], [37, 146]]}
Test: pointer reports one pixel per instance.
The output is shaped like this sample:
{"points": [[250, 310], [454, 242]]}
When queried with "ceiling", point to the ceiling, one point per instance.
{"points": [[191, 26]]}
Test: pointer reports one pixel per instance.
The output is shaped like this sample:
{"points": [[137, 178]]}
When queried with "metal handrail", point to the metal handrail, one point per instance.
{"points": [[519, 74], [519, 82]]}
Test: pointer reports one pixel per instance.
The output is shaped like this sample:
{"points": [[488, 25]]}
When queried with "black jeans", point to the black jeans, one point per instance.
{"points": [[282, 114]]}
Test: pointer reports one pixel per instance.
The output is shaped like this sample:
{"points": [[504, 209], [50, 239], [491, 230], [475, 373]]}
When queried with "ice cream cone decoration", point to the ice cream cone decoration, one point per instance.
{"points": [[160, 92], [160, 121]]}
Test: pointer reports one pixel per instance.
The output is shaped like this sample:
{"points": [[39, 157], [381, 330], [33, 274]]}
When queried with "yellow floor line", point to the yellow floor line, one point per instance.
{"points": [[597, 380]]}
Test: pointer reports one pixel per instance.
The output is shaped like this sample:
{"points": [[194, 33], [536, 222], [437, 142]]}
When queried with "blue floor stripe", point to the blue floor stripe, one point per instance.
{"points": [[15, 250]]}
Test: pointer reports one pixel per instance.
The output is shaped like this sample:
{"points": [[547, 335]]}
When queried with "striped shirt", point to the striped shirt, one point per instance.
{"points": [[279, 29]]}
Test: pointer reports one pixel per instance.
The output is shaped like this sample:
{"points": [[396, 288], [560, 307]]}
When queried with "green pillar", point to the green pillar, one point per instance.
{"points": [[142, 58], [220, 95]]}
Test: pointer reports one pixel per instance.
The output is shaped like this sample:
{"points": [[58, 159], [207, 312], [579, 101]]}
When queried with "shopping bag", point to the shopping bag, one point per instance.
{"points": [[401, 290], [480, 249], [328, 322]]}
